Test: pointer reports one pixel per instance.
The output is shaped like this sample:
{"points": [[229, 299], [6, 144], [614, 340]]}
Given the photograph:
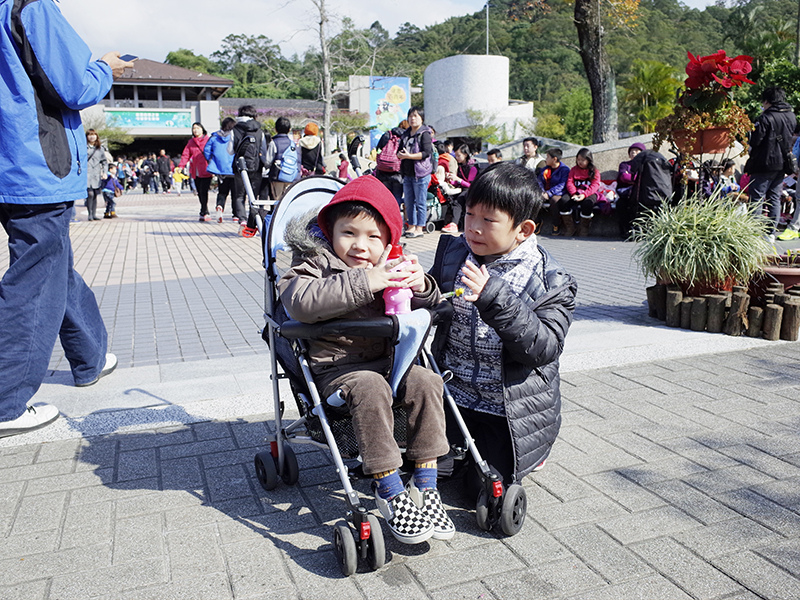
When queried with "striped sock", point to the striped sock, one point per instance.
{"points": [[389, 484], [425, 475]]}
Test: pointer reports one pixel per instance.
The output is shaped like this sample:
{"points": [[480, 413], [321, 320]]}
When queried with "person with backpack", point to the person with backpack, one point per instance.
{"points": [[249, 143], [387, 164], [312, 162], [283, 158]]}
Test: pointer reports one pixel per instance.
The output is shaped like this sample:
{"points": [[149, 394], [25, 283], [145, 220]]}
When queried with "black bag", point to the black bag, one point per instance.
{"points": [[789, 161]]}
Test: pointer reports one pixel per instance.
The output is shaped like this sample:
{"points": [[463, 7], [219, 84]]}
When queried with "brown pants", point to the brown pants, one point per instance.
{"points": [[369, 399], [278, 188]]}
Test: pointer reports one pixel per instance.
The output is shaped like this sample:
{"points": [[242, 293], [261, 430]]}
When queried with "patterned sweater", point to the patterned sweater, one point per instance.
{"points": [[477, 365]]}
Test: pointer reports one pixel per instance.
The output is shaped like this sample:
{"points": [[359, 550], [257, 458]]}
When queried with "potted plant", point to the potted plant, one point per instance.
{"points": [[700, 244], [706, 118]]}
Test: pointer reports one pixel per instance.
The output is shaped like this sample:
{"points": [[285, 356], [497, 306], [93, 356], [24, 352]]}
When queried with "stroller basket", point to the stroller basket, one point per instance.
{"points": [[345, 435]]}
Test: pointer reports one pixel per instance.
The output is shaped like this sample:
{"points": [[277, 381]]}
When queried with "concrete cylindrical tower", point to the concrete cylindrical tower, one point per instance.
{"points": [[466, 81]]}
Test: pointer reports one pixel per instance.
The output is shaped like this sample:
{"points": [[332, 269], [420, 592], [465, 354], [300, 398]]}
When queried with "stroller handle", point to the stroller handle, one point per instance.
{"points": [[379, 327]]}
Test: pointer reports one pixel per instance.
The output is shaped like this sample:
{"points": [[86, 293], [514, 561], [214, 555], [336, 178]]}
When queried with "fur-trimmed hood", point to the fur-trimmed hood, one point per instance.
{"points": [[304, 237]]}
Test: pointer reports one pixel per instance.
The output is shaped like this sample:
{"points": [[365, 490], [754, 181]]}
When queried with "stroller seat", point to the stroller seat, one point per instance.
{"points": [[325, 422]]}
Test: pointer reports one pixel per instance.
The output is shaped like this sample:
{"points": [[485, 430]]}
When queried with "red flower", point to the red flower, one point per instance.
{"points": [[726, 83], [741, 65]]}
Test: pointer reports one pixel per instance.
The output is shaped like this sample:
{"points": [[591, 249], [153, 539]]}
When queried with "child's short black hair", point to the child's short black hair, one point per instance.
{"points": [[346, 210], [495, 152], [283, 125], [510, 188], [555, 153]]}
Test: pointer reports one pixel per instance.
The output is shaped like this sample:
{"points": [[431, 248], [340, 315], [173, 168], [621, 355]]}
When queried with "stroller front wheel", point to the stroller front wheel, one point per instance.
{"points": [[375, 544], [482, 511], [345, 548], [266, 471], [290, 472], [515, 505]]}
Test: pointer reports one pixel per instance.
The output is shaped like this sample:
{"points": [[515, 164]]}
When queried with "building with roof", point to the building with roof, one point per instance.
{"points": [[157, 102]]}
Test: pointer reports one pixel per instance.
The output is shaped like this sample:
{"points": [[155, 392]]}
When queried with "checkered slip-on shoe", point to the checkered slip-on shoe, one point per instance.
{"points": [[408, 524], [431, 504]]}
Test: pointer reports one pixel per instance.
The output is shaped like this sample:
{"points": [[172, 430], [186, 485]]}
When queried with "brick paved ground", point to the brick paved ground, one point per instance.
{"points": [[675, 478]]}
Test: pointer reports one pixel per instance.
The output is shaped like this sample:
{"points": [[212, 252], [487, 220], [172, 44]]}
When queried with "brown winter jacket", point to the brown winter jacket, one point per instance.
{"points": [[319, 286]]}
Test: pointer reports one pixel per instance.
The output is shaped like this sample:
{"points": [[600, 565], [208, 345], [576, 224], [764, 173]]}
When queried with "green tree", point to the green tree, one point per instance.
{"points": [[189, 60], [649, 93]]}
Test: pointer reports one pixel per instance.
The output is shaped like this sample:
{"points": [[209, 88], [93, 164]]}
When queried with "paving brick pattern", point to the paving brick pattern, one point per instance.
{"points": [[637, 501], [677, 478]]}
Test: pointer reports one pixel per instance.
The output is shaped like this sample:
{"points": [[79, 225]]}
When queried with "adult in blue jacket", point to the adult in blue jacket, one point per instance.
{"points": [[220, 162], [46, 77]]}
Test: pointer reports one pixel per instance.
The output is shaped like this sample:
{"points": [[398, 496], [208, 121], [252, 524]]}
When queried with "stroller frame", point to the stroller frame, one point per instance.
{"points": [[496, 503]]}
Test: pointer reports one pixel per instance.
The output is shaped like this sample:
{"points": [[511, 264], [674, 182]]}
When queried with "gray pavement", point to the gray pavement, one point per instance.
{"points": [[675, 475]]}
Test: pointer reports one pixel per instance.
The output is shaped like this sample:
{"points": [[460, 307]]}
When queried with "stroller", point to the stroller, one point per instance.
{"points": [[324, 422]]}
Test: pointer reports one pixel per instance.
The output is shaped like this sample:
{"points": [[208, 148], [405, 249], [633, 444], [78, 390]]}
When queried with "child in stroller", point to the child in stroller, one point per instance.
{"points": [[337, 270]]}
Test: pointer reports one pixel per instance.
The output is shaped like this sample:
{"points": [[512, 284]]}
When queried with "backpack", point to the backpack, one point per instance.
{"points": [[434, 157], [288, 165], [250, 148], [387, 160]]}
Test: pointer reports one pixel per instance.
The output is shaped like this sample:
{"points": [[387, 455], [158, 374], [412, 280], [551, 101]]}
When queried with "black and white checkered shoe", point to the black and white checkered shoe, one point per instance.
{"points": [[406, 521], [431, 504]]}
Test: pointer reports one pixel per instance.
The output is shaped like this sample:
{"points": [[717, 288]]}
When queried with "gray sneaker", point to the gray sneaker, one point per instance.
{"points": [[35, 417]]}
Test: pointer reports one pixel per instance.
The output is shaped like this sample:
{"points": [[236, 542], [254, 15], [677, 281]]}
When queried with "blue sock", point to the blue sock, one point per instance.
{"points": [[425, 478], [389, 485]]}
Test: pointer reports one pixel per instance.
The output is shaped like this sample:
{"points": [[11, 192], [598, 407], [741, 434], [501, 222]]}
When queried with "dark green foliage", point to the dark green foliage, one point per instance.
{"points": [[538, 37]]}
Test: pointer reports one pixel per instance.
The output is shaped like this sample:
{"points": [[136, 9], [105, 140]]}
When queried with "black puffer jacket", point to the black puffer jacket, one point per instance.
{"points": [[765, 151], [533, 328]]}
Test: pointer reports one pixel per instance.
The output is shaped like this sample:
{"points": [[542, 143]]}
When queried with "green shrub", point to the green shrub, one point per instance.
{"points": [[700, 241]]}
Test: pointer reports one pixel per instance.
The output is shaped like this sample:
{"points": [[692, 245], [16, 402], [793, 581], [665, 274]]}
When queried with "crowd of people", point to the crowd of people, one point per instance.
{"points": [[420, 171]]}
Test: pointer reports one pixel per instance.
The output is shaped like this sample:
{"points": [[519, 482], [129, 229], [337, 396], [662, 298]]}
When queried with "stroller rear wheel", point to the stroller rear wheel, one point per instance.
{"points": [[345, 548], [515, 505], [266, 471], [376, 547], [430, 226]]}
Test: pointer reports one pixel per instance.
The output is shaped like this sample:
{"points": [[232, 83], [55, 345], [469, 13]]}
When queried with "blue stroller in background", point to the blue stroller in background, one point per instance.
{"points": [[324, 422]]}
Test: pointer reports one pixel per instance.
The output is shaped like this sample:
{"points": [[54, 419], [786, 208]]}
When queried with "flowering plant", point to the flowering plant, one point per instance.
{"points": [[707, 99]]}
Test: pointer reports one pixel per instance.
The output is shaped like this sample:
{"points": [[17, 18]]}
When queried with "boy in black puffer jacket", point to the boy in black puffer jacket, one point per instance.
{"points": [[508, 328]]}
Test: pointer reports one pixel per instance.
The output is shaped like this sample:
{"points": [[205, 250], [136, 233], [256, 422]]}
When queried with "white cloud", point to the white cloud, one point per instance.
{"points": [[152, 29]]}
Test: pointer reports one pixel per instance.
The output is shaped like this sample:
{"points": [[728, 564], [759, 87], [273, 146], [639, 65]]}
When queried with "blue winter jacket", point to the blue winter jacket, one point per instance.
{"points": [[557, 179], [220, 162], [46, 77]]}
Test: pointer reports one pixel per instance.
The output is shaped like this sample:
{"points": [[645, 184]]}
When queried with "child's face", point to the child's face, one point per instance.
{"points": [[551, 161], [490, 231], [359, 241], [581, 161]]}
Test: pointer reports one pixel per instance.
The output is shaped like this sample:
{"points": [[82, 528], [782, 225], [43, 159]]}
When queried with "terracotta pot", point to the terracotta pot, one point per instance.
{"points": [[701, 288], [709, 141], [788, 276]]}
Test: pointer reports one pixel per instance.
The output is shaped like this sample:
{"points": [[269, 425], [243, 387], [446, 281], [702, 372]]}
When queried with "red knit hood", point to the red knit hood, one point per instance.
{"points": [[369, 190]]}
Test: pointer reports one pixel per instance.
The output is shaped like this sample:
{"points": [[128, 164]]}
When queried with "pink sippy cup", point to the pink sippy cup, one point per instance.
{"points": [[397, 300]]}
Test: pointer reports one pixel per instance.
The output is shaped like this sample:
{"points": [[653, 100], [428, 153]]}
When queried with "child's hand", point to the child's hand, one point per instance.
{"points": [[416, 280], [475, 279], [381, 275]]}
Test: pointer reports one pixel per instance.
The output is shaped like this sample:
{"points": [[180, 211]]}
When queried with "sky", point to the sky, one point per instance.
{"points": [[151, 29]]}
